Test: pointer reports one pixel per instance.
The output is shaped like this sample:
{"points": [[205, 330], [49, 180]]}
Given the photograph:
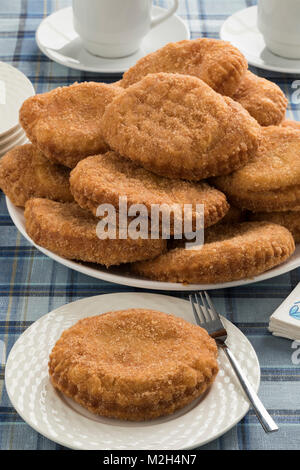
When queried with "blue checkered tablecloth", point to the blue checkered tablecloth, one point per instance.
{"points": [[31, 284]]}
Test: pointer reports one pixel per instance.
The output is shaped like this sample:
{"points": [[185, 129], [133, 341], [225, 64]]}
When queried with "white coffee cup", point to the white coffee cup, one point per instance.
{"points": [[115, 28], [279, 23]]}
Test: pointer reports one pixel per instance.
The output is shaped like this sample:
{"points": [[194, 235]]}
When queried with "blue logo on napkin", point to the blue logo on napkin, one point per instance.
{"points": [[294, 311]]}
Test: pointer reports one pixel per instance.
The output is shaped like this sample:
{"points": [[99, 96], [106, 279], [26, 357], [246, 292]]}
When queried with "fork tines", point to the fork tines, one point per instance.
{"points": [[206, 315], [206, 311]]}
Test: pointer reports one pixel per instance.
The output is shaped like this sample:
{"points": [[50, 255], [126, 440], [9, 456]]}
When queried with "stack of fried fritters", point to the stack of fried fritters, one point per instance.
{"points": [[268, 186], [188, 124]]}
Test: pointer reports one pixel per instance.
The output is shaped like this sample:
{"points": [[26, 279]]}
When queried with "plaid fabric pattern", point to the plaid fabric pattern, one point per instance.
{"points": [[31, 284]]}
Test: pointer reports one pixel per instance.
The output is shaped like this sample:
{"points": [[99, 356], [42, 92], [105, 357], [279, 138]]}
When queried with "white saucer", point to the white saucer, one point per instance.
{"points": [[57, 39], [15, 88], [241, 30], [60, 419]]}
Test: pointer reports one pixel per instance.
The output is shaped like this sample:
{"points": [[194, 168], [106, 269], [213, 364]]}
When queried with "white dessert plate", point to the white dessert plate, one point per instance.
{"points": [[241, 30], [63, 421], [15, 88], [120, 276], [21, 139], [58, 40], [11, 137]]}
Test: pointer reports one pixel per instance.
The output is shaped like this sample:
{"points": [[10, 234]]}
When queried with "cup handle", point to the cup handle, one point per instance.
{"points": [[166, 15]]}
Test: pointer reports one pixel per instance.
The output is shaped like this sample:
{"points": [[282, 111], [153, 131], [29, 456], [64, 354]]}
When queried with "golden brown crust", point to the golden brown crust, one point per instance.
{"points": [[70, 231], [216, 62], [65, 123], [263, 99], [289, 219], [270, 182], [177, 126], [103, 179], [276, 164], [286, 199], [133, 364], [230, 252], [291, 124], [25, 173]]}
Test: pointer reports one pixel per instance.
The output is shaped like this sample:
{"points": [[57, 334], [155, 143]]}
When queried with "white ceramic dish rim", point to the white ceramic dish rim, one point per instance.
{"points": [[119, 296], [20, 140], [17, 216], [11, 137], [28, 82]]}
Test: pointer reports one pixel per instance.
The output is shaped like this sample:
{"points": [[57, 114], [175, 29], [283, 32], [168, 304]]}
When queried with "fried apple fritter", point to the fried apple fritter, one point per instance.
{"points": [[65, 123], [291, 124], [177, 126], [285, 199], [70, 232], [216, 62], [106, 178], [25, 173], [230, 252], [276, 164], [270, 182], [263, 99], [289, 219], [134, 364]]}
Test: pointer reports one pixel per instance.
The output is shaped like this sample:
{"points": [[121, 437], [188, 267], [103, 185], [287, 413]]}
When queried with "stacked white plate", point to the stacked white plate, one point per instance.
{"points": [[15, 88]]}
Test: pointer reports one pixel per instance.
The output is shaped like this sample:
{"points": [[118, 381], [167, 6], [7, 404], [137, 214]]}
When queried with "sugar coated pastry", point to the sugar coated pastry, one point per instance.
{"points": [[106, 178], [217, 63], [292, 124], [70, 231], [230, 252], [134, 364], [270, 182], [289, 219], [25, 173], [262, 98], [65, 123], [177, 126]]}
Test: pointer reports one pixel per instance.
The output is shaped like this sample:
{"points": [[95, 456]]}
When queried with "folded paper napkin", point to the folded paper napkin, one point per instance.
{"points": [[285, 321]]}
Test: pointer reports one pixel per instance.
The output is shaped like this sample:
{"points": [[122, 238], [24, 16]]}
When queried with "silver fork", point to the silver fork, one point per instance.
{"points": [[207, 317]]}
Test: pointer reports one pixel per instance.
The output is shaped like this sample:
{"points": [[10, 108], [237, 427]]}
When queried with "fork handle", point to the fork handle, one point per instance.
{"points": [[265, 419]]}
